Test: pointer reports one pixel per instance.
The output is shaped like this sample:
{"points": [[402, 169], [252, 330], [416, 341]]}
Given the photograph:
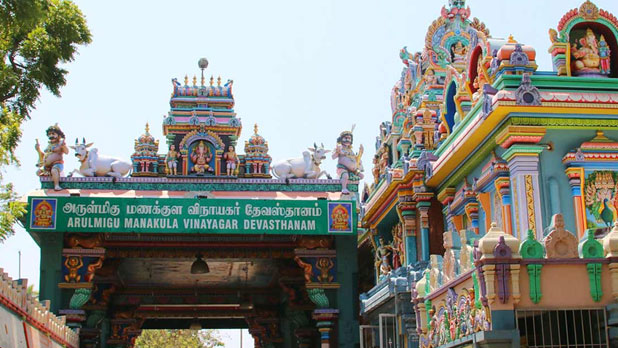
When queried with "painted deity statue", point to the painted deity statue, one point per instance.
{"points": [[458, 52], [231, 160], [349, 165], [201, 157], [171, 160], [587, 53], [604, 55], [51, 160], [384, 254], [479, 82], [430, 77]]}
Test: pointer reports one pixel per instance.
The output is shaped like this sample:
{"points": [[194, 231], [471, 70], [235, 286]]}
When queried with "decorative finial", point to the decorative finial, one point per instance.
{"points": [[531, 234], [512, 39], [194, 80], [219, 81], [186, 80], [147, 128], [202, 64], [255, 129]]}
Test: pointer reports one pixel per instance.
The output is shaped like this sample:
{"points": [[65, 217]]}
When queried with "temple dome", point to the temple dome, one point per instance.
{"points": [[256, 143], [147, 138]]}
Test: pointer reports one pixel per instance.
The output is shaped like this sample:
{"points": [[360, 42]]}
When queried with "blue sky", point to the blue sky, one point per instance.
{"points": [[304, 71]]}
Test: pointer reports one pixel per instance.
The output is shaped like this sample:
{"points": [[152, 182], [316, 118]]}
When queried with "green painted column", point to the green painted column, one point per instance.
{"points": [[51, 269], [104, 332], [347, 294], [409, 219]]}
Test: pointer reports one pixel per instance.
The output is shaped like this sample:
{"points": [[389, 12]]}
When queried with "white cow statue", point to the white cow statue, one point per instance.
{"points": [[307, 167], [93, 164]]}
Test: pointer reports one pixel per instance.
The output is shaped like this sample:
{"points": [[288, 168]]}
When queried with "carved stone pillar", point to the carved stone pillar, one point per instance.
{"points": [[407, 215], [504, 192], [320, 273], [522, 156], [523, 162], [575, 181], [423, 210]]}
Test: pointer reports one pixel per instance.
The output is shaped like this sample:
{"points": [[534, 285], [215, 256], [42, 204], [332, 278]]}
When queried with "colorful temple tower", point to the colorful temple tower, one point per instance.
{"points": [[197, 237], [145, 158], [491, 219]]}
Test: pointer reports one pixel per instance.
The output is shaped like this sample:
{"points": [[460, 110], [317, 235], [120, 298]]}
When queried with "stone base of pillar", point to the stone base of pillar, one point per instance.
{"points": [[304, 337], [326, 320], [76, 318]]}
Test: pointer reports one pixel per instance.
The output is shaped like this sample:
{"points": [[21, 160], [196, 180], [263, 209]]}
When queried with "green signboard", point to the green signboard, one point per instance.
{"points": [[185, 215]]}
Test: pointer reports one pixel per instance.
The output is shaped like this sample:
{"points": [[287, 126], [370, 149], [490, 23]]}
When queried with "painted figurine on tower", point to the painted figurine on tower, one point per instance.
{"points": [[201, 157], [172, 160], [349, 165], [231, 160], [51, 160]]}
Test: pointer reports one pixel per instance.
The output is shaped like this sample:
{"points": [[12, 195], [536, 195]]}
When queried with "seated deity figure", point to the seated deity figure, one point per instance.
{"points": [[458, 52], [201, 157], [590, 56]]}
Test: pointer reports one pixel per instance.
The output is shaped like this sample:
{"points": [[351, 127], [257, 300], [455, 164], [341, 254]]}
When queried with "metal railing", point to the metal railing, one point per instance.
{"points": [[585, 328]]}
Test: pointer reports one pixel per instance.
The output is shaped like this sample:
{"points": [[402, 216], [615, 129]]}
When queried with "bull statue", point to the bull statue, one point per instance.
{"points": [[307, 167], [93, 164]]}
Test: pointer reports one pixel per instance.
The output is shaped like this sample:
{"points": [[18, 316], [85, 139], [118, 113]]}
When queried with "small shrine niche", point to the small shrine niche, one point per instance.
{"points": [[585, 43], [591, 50], [145, 159]]}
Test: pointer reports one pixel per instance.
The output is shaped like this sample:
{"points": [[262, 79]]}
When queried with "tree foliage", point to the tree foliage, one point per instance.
{"points": [[36, 38], [179, 339]]}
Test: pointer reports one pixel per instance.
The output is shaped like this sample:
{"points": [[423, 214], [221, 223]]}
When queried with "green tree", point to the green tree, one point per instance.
{"points": [[179, 339], [36, 38]]}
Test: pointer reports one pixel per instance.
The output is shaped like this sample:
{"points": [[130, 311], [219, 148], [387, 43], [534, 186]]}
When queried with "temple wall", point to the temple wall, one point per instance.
{"points": [[561, 291], [28, 323]]}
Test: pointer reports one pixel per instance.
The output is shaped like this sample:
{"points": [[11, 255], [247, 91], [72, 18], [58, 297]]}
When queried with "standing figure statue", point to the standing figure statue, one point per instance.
{"points": [[349, 165], [384, 254], [604, 54], [51, 160], [201, 157], [171, 160], [231, 160]]}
